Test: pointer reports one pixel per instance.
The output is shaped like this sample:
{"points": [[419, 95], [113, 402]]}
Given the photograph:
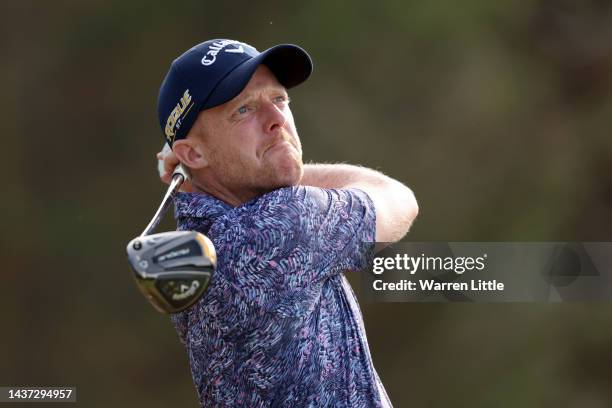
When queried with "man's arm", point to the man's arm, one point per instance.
{"points": [[396, 206]]}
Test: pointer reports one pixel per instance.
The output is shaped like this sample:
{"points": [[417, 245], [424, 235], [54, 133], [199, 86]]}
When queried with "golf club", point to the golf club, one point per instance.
{"points": [[172, 269]]}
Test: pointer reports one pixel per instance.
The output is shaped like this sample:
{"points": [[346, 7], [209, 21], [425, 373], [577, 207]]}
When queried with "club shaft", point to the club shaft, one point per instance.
{"points": [[175, 184]]}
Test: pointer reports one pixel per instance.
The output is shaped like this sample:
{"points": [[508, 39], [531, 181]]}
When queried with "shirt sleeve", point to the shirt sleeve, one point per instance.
{"points": [[294, 237]]}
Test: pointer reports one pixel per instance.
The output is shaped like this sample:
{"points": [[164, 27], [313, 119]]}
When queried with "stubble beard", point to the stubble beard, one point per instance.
{"points": [[247, 178], [278, 172], [279, 169]]}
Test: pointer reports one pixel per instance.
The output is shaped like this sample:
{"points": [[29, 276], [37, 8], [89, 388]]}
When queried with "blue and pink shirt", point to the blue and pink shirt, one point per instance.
{"points": [[279, 325]]}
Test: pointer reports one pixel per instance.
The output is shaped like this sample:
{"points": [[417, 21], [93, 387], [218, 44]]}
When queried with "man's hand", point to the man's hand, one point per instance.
{"points": [[166, 162]]}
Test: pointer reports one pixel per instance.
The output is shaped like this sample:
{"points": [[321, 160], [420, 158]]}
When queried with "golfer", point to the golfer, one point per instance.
{"points": [[279, 325]]}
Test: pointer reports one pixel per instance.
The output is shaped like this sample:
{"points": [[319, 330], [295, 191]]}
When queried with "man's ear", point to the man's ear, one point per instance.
{"points": [[190, 153]]}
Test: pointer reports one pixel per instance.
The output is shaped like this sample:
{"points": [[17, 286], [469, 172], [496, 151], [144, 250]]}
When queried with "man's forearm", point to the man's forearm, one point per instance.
{"points": [[338, 175]]}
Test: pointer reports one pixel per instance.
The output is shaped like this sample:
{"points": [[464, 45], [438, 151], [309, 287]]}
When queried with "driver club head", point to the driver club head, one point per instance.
{"points": [[172, 269]]}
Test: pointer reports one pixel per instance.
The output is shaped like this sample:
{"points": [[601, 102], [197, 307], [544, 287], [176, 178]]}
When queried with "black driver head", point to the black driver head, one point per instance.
{"points": [[172, 269]]}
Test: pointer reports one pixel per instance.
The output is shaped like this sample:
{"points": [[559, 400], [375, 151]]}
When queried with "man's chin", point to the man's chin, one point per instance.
{"points": [[290, 175], [290, 180]]}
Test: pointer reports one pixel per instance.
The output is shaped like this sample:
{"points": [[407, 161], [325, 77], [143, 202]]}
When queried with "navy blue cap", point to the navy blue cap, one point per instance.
{"points": [[214, 72]]}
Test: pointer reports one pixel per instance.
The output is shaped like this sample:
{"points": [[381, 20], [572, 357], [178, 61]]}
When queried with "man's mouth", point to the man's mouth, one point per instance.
{"points": [[281, 144], [284, 141]]}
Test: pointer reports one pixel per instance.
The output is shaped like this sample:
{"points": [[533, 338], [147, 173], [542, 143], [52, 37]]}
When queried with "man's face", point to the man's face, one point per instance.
{"points": [[250, 142]]}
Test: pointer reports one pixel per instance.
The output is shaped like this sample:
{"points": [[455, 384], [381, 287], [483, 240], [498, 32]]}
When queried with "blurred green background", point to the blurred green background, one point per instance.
{"points": [[496, 113]]}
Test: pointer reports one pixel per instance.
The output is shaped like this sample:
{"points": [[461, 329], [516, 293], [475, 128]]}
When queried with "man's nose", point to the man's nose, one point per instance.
{"points": [[274, 117]]}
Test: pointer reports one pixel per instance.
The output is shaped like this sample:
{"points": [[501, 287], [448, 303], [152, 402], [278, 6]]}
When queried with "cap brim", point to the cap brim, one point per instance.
{"points": [[289, 63]]}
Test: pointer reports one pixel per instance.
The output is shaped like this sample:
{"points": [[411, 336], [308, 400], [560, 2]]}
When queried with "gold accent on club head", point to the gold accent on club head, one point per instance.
{"points": [[208, 247]]}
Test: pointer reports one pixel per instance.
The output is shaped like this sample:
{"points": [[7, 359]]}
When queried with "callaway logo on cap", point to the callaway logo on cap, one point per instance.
{"points": [[214, 72]]}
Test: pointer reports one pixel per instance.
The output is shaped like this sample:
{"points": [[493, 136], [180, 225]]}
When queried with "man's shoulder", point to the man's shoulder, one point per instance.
{"points": [[272, 204], [281, 195], [304, 198], [307, 198]]}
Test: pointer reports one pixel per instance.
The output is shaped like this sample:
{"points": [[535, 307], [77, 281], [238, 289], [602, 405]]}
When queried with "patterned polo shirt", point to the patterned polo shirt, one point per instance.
{"points": [[279, 325]]}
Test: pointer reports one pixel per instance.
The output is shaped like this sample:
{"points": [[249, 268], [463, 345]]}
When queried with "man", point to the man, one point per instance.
{"points": [[279, 325]]}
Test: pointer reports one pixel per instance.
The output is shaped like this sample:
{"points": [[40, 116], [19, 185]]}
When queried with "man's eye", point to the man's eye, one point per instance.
{"points": [[242, 110], [281, 99]]}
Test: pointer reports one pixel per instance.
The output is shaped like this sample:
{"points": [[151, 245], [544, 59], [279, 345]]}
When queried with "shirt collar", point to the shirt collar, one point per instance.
{"points": [[203, 207]]}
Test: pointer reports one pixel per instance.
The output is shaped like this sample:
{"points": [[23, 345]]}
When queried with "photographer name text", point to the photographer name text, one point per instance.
{"points": [[478, 285]]}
